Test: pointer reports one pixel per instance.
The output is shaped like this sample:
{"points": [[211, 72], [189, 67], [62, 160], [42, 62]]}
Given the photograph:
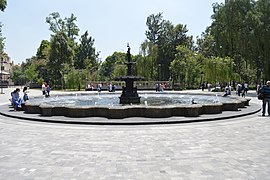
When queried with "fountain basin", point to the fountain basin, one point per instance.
{"points": [[116, 111]]}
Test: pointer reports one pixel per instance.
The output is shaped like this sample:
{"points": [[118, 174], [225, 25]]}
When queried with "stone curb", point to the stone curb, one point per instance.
{"points": [[147, 121]]}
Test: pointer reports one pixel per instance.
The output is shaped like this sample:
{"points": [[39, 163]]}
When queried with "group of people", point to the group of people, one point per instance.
{"points": [[242, 89], [90, 87], [161, 86], [111, 87], [206, 85], [17, 99], [45, 89], [262, 90], [227, 90]]}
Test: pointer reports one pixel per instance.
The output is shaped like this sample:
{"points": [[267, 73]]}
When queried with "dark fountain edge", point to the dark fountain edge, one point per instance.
{"points": [[121, 112]]}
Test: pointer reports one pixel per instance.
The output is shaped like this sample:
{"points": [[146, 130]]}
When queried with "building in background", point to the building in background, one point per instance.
{"points": [[6, 68]]}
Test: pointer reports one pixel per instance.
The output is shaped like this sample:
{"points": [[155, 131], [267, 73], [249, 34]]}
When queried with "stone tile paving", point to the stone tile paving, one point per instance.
{"points": [[238, 149], [230, 149]]}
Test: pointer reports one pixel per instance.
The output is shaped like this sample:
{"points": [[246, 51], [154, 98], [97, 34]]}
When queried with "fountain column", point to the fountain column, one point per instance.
{"points": [[129, 93]]}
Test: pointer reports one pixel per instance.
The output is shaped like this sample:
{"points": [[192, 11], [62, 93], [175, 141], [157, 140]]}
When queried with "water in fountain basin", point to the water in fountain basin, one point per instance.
{"points": [[149, 99]]}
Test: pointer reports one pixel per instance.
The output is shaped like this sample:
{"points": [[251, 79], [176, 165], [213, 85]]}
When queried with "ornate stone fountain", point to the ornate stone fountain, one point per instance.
{"points": [[129, 93], [156, 105]]}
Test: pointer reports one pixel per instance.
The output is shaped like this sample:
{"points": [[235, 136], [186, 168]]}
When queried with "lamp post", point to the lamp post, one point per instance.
{"points": [[159, 74], [1, 75], [80, 73], [202, 83], [215, 76]]}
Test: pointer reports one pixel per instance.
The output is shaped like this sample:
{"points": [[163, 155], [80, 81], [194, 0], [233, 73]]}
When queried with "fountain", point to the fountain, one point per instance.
{"points": [[155, 105], [129, 93]]}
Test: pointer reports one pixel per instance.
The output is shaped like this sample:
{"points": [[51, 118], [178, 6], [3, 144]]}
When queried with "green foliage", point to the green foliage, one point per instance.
{"points": [[2, 39], [217, 69], [75, 79], [56, 23], [60, 55], [113, 66], [66, 57], [234, 47], [241, 31], [30, 73], [185, 68], [17, 75], [206, 44], [3, 5], [86, 57], [149, 52], [164, 37], [71, 28], [42, 60]]}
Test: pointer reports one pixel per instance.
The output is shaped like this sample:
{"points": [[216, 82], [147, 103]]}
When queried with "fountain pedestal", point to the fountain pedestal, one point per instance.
{"points": [[129, 93]]}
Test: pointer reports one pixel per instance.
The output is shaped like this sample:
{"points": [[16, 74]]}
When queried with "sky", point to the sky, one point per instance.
{"points": [[112, 23]]}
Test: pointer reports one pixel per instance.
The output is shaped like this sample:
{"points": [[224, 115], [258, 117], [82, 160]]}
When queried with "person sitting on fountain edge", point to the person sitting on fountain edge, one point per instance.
{"points": [[16, 99]]}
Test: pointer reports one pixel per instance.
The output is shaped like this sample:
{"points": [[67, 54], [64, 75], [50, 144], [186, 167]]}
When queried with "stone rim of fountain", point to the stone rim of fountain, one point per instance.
{"points": [[225, 115], [122, 112]]}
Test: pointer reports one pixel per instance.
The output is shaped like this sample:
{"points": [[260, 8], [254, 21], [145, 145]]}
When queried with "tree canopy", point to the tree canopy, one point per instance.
{"points": [[3, 5], [233, 48], [62, 61]]}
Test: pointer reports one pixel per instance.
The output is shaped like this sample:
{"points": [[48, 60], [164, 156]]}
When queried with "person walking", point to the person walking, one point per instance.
{"points": [[259, 86], [238, 89], [245, 87], [203, 86], [43, 88], [265, 90], [209, 86]]}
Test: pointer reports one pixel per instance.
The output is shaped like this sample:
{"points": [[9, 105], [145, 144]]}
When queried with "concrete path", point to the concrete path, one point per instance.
{"points": [[236, 148]]}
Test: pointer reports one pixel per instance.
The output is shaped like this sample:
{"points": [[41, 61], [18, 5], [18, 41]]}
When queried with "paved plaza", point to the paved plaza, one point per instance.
{"points": [[237, 148]]}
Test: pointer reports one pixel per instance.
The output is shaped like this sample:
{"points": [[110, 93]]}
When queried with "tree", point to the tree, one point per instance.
{"points": [[154, 24], [30, 73], [113, 66], [185, 67], [165, 37], [42, 61], [86, 57], [71, 28], [60, 56], [17, 75], [56, 23], [206, 45], [2, 39], [62, 45], [3, 5], [219, 70], [241, 28], [148, 65], [263, 12]]}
